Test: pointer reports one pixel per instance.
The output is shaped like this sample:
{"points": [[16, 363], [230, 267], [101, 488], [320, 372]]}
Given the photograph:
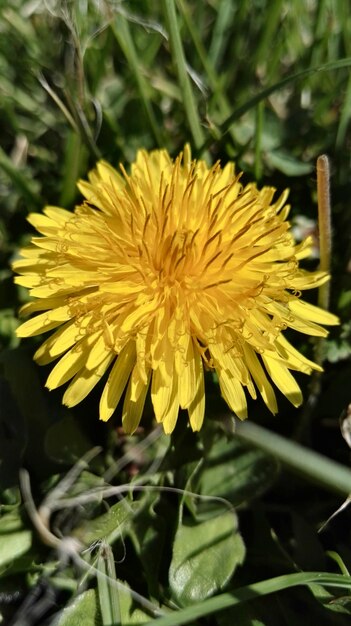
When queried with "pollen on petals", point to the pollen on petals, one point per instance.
{"points": [[161, 274]]}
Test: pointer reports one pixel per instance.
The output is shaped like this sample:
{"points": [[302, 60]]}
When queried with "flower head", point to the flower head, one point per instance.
{"points": [[162, 273]]}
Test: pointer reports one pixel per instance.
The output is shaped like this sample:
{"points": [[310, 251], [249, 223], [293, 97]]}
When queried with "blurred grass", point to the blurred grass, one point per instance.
{"points": [[264, 83]]}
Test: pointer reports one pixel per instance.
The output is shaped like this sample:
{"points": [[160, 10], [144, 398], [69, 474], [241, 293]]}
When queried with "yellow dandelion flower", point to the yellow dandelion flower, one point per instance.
{"points": [[162, 273]]}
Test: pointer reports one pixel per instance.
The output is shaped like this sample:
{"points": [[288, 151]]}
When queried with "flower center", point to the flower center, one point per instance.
{"points": [[173, 259]]}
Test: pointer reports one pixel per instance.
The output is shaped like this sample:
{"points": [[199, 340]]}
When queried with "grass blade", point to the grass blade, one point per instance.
{"points": [[108, 594], [243, 594], [121, 32], [183, 76], [249, 104]]}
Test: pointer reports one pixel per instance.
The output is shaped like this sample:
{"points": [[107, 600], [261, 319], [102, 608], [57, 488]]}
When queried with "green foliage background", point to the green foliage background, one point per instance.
{"points": [[266, 84]]}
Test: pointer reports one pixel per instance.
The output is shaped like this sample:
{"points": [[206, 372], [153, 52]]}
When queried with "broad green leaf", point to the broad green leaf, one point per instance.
{"points": [[148, 535], [109, 525], [130, 613], [82, 611], [235, 472], [205, 557], [15, 540]]}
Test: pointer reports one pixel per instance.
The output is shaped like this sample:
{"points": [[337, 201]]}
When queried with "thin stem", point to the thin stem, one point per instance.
{"points": [[324, 221], [306, 462]]}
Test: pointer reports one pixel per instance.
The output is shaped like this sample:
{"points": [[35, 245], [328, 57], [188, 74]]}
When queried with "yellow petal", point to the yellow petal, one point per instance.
{"points": [[226, 360], [188, 383], [142, 348], [260, 378], [137, 315], [98, 353], [31, 266], [161, 390], [71, 362], [117, 381], [122, 287], [44, 322], [307, 327], [294, 359], [59, 215], [63, 339], [92, 194], [66, 368], [30, 281], [84, 381], [308, 311], [43, 224], [132, 410], [171, 415], [109, 174], [41, 305], [196, 409], [136, 384], [281, 376], [233, 393], [308, 280]]}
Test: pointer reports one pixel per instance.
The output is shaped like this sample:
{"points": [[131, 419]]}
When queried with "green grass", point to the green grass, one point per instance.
{"points": [[266, 84]]}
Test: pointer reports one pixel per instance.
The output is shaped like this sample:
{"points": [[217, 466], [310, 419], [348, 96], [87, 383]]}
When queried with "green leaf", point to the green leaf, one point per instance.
{"points": [[148, 535], [83, 611], [15, 540], [344, 299], [329, 601], [284, 162], [8, 321], [234, 472], [129, 613], [109, 525], [205, 557], [336, 350]]}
